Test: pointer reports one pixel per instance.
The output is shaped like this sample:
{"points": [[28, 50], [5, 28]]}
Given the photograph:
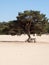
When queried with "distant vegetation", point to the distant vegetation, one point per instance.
{"points": [[27, 22]]}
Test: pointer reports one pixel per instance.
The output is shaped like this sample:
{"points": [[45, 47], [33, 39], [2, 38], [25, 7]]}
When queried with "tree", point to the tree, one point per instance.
{"points": [[32, 22]]}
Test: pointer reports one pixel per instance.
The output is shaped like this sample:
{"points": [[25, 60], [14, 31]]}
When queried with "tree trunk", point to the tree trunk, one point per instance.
{"points": [[29, 37], [27, 28]]}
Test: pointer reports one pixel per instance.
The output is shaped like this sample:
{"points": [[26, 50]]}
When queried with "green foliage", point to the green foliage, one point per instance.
{"points": [[48, 28], [32, 22], [28, 22]]}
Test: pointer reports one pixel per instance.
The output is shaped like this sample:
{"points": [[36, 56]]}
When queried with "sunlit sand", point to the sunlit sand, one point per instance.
{"points": [[24, 53]]}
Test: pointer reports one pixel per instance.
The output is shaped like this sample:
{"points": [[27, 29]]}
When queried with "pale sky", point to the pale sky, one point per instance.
{"points": [[9, 8]]}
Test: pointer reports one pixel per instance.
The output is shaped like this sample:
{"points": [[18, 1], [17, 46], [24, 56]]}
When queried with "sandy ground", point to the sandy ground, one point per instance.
{"points": [[44, 38], [24, 53], [21, 53]]}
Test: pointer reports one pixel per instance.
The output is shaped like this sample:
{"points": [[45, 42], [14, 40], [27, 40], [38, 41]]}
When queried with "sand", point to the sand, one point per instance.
{"points": [[24, 53], [44, 38]]}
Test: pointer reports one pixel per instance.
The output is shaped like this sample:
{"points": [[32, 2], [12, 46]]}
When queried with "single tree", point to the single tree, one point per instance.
{"points": [[32, 22]]}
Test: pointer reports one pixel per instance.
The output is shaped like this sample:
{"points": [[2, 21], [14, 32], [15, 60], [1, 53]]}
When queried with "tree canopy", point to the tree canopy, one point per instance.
{"points": [[33, 20]]}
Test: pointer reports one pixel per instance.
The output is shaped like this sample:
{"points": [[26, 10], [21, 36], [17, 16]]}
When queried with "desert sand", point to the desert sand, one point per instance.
{"points": [[24, 53]]}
